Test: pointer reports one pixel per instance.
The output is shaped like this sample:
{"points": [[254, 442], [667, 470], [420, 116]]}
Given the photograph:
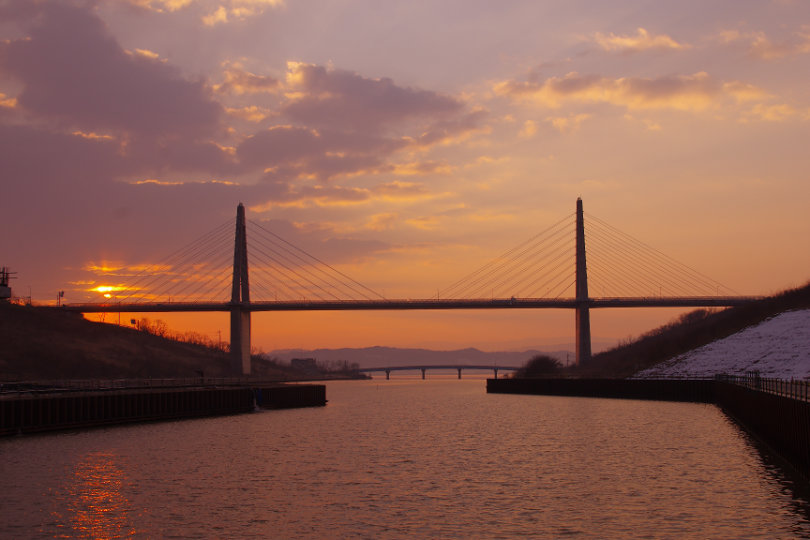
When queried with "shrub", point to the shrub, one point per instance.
{"points": [[539, 366]]}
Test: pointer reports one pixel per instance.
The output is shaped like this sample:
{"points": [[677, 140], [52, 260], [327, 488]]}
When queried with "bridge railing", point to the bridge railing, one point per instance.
{"points": [[794, 389]]}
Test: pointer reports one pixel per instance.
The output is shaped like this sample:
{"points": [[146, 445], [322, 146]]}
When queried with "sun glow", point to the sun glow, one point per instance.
{"points": [[107, 290]]}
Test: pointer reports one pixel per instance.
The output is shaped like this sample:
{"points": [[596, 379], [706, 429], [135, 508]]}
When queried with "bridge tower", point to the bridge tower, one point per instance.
{"points": [[583, 317], [240, 300]]}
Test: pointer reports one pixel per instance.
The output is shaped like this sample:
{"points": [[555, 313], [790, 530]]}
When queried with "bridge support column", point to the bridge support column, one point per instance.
{"points": [[423, 373], [240, 300], [459, 373], [583, 317], [387, 374], [240, 341]]}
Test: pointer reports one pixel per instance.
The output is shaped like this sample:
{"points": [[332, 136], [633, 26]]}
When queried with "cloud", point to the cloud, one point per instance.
{"points": [[683, 92], [331, 97], [642, 41], [420, 168], [452, 130], [44, 160], [325, 239], [567, 124], [425, 223], [7, 102], [95, 122], [340, 124], [774, 113], [239, 81], [382, 222], [73, 72], [238, 10], [402, 191], [218, 16], [529, 129], [218, 11], [252, 113], [288, 195], [321, 196], [761, 47], [293, 151], [162, 6]]}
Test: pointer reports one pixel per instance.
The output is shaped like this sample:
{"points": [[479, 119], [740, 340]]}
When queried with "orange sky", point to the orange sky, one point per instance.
{"points": [[406, 144]]}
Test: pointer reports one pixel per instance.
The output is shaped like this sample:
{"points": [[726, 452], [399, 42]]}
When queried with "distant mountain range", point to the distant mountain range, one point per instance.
{"points": [[372, 357]]}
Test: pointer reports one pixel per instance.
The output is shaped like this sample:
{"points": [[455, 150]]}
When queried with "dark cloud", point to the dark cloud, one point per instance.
{"points": [[673, 86], [88, 119], [63, 205], [324, 153], [338, 98], [447, 129], [145, 156], [74, 72], [33, 156]]}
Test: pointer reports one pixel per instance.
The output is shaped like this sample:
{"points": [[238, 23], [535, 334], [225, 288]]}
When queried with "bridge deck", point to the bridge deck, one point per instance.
{"points": [[424, 304]]}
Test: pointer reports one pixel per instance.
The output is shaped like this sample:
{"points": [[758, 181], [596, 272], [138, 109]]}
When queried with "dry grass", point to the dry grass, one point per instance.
{"points": [[46, 343], [690, 331]]}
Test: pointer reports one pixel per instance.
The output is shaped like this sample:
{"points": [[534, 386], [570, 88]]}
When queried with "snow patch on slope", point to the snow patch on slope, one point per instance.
{"points": [[778, 347]]}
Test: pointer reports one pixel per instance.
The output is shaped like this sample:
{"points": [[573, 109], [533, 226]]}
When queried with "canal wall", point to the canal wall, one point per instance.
{"points": [[664, 389], [31, 412], [777, 413], [781, 422]]}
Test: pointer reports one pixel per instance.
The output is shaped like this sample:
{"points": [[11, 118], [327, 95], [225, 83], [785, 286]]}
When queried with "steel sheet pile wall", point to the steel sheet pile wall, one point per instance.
{"points": [[33, 411], [291, 395], [783, 423], [53, 411], [699, 390]]}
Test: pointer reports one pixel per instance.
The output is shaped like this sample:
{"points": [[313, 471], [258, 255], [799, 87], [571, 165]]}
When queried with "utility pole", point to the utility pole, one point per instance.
{"points": [[5, 290]]}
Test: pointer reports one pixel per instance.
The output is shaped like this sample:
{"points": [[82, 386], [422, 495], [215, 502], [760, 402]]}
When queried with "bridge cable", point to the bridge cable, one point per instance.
{"points": [[499, 268], [154, 273], [312, 257]]}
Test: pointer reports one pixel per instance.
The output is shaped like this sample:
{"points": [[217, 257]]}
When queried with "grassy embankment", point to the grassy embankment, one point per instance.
{"points": [[690, 331], [45, 343]]}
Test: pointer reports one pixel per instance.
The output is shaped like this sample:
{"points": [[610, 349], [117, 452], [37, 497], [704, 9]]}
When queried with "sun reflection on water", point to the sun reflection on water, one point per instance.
{"points": [[97, 505]]}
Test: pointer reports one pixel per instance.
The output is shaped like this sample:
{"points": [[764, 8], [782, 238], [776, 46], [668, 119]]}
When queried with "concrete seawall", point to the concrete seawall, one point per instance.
{"points": [[52, 411], [777, 414]]}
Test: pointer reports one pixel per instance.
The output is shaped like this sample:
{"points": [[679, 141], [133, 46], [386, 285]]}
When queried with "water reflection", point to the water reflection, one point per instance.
{"points": [[403, 459], [96, 503], [790, 482]]}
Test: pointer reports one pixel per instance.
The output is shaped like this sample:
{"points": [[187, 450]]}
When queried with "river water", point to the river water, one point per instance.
{"points": [[406, 458]]}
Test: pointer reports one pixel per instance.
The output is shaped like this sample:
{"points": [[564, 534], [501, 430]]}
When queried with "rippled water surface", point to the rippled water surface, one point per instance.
{"points": [[404, 458]]}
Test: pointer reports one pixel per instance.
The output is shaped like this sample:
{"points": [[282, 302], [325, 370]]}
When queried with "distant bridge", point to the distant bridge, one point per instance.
{"points": [[424, 368]]}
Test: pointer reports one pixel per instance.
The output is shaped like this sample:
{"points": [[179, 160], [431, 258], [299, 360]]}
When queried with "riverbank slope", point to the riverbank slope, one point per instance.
{"points": [[39, 343]]}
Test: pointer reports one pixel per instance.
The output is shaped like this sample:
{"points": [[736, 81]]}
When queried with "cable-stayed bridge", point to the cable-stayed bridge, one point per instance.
{"points": [[553, 269]]}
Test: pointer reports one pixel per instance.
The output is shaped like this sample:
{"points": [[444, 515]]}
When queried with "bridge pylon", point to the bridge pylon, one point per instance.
{"points": [[583, 317], [240, 300]]}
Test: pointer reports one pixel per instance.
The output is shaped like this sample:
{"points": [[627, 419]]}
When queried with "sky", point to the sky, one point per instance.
{"points": [[405, 143]]}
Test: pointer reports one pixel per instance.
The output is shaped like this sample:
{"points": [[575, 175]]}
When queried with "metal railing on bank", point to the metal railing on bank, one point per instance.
{"points": [[74, 385], [794, 389]]}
